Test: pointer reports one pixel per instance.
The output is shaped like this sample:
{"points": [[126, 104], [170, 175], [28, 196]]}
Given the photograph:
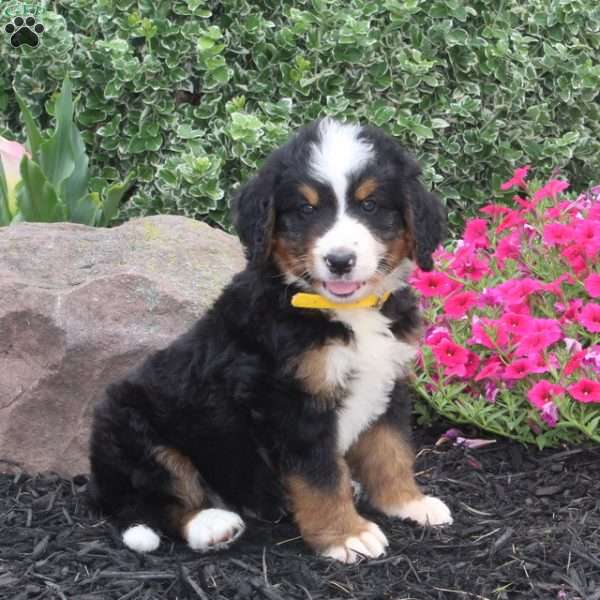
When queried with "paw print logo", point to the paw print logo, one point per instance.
{"points": [[24, 31]]}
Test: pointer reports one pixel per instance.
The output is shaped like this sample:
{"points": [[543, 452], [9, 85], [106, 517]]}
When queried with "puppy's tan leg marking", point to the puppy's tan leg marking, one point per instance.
{"points": [[203, 528], [328, 520], [382, 460]]}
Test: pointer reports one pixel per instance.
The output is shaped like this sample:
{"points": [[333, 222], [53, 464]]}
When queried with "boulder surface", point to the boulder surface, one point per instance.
{"points": [[79, 307]]}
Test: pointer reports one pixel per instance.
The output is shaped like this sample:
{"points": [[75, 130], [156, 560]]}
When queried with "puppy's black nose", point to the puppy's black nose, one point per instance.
{"points": [[340, 262]]}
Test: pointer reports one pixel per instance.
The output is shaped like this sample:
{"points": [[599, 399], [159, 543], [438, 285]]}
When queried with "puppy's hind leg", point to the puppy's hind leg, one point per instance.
{"points": [[194, 515]]}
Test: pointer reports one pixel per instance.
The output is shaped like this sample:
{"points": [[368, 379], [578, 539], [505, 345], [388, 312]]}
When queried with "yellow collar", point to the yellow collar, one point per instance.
{"points": [[303, 300]]}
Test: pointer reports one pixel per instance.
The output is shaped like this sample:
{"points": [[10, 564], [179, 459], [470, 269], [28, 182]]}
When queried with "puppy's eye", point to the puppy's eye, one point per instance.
{"points": [[307, 209], [369, 205]]}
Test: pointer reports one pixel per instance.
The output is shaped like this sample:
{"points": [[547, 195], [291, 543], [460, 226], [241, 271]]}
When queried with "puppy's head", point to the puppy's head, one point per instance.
{"points": [[340, 211]]}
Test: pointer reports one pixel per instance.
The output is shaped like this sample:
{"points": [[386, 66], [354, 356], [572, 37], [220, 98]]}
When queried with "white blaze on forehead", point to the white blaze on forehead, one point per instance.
{"points": [[338, 153]]}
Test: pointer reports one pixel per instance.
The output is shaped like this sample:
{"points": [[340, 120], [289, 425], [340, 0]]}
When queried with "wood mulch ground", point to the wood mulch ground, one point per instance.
{"points": [[527, 525]]}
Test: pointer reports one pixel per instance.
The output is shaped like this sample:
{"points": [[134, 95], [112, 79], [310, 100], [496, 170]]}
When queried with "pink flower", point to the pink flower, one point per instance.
{"points": [[518, 369], [551, 189], [586, 391], [517, 291], [432, 283], [517, 324], [512, 219], [549, 414], [491, 391], [576, 256], [557, 234], [533, 343], [592, 285], [452, 355], [518, 179], [11, 155], [466, 265], [574, 362], [589, 317], [508, 247], [494, 210], [548, 327], [458, 304], [436, 335], [542, 392], [476, 233], [488, 333], [472, 365], [491, 369]]}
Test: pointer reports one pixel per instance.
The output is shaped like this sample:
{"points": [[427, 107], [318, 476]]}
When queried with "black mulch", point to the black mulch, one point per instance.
{"points": [[527, 525]]}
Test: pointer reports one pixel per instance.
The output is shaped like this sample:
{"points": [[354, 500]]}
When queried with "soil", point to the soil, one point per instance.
{"points": [[527, 525]]}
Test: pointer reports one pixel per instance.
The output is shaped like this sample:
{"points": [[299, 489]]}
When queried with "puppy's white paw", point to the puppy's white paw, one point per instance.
{"points": [[371, 543], [213, 529], [141, 538], [428, 510]]}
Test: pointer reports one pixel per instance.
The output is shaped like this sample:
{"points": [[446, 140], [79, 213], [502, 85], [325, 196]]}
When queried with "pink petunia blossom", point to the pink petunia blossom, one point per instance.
{"points": [[452, 355], [436, 334], [549, 414], [476, 233], [586, 391], [488, 333], [542, 392], [491, 391], [459, 304], [517, 291], [517, 180], [557, 234], [576, 256], [511, 220], [551, 189], [517, 324], [589, 317], [508, 247], [432, 283], [592, 358], [518, 369], [533, 343], [574, 363], [494, 210], [492, 368], [592, 285]]}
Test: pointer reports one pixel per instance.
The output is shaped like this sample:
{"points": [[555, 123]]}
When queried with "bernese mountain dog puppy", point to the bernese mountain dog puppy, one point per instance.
{"points": [[297, 381]]}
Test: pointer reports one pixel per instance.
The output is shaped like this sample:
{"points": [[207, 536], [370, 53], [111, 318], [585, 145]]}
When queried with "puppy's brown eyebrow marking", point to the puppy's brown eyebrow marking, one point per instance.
{"points": [[366, 188], [309, 192]]}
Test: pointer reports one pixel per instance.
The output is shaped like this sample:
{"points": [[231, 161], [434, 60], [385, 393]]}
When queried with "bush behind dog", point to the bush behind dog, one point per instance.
{"points": [[187, 97]]}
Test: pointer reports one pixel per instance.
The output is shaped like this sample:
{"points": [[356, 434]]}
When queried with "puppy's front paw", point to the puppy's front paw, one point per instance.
{"points": [[213, 529], [427, 510], [369, 542]]}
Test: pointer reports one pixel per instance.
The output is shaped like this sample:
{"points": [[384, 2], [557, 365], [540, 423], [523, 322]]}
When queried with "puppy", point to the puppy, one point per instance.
{"points": [[296, 381]]}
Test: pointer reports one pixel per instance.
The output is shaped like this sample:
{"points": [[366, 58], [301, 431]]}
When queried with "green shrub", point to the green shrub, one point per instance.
{"points": [[186, 97]]}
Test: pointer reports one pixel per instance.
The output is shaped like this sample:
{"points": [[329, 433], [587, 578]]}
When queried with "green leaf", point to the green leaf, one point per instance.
{"points": [[36, 197], [5, 216], [34, 137], [56, 153], [110, 203]]}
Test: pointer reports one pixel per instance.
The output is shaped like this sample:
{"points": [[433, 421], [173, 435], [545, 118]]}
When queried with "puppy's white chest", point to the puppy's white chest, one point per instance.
{"points": [[368, 369]]}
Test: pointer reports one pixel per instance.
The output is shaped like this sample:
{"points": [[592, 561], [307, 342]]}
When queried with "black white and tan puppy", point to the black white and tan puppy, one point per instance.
{"points": [[266, 406]]}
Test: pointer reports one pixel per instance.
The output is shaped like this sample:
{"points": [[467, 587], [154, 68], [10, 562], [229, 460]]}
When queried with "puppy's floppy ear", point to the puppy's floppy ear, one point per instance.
{"points": [[254, 217], [425, 214], [427, 219]]}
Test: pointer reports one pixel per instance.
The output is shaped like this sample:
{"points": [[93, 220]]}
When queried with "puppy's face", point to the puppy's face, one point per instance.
{"points": [[339, 212]]}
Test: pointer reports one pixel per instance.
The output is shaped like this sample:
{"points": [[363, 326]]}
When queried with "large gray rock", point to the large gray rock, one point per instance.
{"points": [[79, 307]]}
